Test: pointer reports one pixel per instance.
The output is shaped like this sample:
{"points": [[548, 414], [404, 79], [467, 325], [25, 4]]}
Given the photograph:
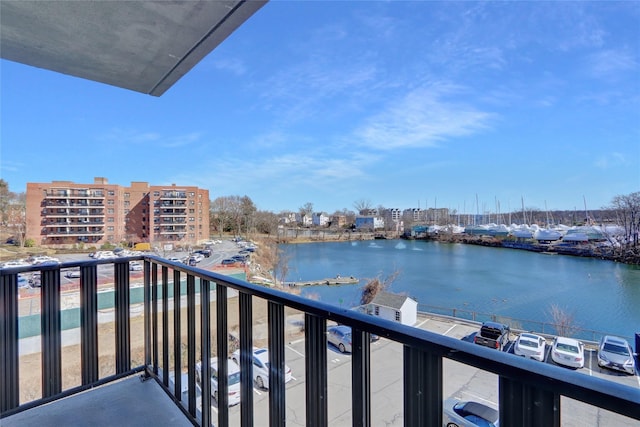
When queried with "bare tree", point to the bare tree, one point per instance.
{"points": [[563, 321], [627, 210], [362, 205], [376, 285]]}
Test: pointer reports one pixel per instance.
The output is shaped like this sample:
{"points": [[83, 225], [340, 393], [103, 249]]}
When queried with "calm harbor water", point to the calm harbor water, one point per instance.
{"points": [[601, 295]]}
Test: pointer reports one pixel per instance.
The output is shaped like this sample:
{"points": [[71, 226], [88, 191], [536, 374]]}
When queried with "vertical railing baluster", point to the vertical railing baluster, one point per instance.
{"points": [[527, 406], [165, 325], [222, 331], [51, 333], [122, 310], [422, 388], [89, 323], [360, 378], [205, 350], [316, 369], [277, 402], [177, 334], [9, 350], [191, 342], [154, 319], [246, 359], [148, 266]]}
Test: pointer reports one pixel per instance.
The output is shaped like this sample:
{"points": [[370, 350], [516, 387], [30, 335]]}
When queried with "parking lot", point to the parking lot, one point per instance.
{"points": [[460, 381]]}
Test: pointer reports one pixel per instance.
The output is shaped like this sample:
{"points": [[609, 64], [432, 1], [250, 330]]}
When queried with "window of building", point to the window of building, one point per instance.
{"points": [[398, 316], [126, 211], [192, 211], [110, 228], [192, 194], [126, 195], [110, 211], [126, 203], [110, 202], [156, 193], [110, 219], [111, 193], [376, 310], [192, 219]]}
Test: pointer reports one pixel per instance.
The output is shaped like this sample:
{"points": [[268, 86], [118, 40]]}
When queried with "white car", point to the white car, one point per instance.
{"points": [[135, 266], [457, 413], [530, 345], [261, 367], [233, 371], [568, 352], [72, 274]]}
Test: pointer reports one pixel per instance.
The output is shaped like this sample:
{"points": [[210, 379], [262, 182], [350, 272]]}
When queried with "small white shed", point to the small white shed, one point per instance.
{"points": [[399, 308]]}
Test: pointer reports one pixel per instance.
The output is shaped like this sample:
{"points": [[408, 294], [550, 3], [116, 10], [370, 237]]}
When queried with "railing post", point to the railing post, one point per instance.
{"points": [[246, 359], [154, 319], [361, 378], [526, 406], [177, 335], [51, 333], [222, 333], [9, 354], [422, 388], [277, 402], [205, 350], [315, 345], [89, 323], [148, 266], [165, 325], [122, 317], [191, 343]]}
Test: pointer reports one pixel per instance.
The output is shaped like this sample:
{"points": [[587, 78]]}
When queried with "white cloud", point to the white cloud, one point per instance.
{"points": [[609, 64], [421, 119]]}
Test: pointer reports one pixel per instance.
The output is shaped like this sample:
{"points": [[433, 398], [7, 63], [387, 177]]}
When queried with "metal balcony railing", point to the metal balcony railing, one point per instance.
{"points": [[529, 392]]}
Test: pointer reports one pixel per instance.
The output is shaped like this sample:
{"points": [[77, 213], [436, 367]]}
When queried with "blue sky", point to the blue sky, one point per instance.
{"points": [[404, 104]]}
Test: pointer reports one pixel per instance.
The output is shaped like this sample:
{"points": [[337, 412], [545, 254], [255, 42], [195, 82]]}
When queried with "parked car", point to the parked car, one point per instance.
{"points": [[204, 252], [568, 352], [457, 413], [233, 371], [72, 274], [228, 261], [340, 336], [615, 353], [135, 266], [261, 367], [530, 345], [493, 335]]}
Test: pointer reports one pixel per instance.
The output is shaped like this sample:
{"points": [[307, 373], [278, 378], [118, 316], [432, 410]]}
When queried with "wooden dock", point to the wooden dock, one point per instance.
{"points": [[338, 280]]}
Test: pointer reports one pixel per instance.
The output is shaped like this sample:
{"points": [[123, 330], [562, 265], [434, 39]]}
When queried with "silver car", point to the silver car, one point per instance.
{"points": [[615, 353], [457, 413], [340, 336]]}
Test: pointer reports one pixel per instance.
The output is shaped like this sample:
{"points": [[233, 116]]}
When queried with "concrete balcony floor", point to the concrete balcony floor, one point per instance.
{"points": [[127, 402]]}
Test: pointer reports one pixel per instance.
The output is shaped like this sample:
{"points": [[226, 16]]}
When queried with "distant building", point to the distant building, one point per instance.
{"points": [[304, 219], [338, 221], [413, 214], [65, 213], [369, 212], [398, 308], [369, 223], [391, 215], [320, 219]]}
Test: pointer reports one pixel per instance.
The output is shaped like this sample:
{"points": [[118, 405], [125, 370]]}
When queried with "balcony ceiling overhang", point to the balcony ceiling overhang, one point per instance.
{"points": [[144, 46]]}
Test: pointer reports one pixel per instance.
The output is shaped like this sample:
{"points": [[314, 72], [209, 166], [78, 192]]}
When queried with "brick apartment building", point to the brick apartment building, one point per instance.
{"points": [[66, 213]]}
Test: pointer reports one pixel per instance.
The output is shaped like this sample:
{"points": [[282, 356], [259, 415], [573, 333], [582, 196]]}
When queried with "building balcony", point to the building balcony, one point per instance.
{"points": [[138, 336], [70, 231]]}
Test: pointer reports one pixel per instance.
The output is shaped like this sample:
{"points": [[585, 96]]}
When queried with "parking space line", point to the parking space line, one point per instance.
{"points": [[422, 323], [294, 350], [449, 330]]}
